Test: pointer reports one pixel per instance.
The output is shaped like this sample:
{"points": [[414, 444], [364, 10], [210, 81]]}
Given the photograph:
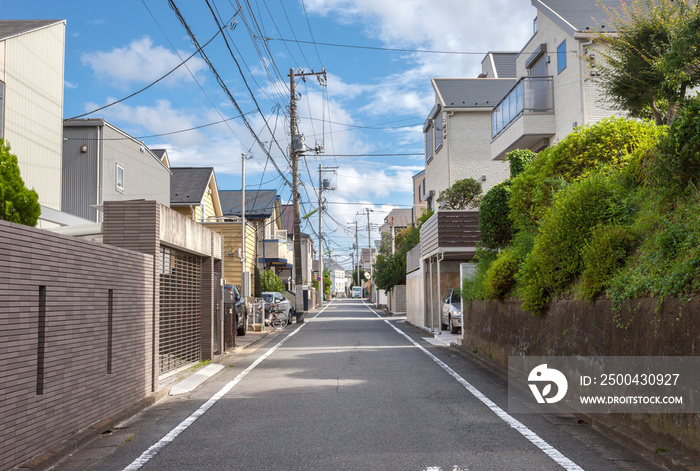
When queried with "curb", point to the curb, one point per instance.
{"points": [[69, 445], [611, 428]]}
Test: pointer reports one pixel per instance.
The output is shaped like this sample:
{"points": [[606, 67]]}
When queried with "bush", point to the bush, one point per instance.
{"points": [[17, 203], [473, 288], [556, 259], [463, 194], [603, 255], [495, 227], [519, 159], [611, 142], [271, 282], [678, 161], [500, 278]]}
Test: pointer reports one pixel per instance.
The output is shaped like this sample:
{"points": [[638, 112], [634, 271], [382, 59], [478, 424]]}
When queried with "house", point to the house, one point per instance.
{"points": [[458, 134], [396, 221], [419, 191], [307, 244], [102, 163], [31, 103], [194, 193], [339, 285], [262, 208], [556, 90]]}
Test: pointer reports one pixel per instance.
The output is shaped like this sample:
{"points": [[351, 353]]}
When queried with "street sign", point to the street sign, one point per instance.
{"points": [[318, 278]]}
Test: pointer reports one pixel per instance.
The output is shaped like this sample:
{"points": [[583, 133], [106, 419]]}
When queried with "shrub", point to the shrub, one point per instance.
{"points": [[603, 255], [271, 282], [17, 203], [462, 194], [473, 288], [519, 159], [678, 160], [611, 142], [556, 259], [500, 278], [495, 227]]}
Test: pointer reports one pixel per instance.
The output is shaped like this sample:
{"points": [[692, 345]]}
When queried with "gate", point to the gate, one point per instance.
{"points": [[180, 309]]}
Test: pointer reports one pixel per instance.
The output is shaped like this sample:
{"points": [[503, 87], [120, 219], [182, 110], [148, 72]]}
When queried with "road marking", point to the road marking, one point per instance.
{"points": [[147, 455], [535, 439]]}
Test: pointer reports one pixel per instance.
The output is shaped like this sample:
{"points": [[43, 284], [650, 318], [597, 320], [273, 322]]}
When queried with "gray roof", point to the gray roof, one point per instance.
{"points": [[258, 203], [579, 15], [11, 28], [505, 63], [288, 220], [471, 93], [188, 184]]}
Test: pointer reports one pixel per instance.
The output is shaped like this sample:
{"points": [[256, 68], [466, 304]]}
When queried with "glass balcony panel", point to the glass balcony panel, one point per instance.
{"points": [[530, 94]]}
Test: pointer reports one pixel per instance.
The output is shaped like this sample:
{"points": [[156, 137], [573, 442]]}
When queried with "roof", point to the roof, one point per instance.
{"points": [[258, 203], [578, 16], [504, 63], [288, 219], [402, 218], [188, 184], [12, 28], [471, 93]]}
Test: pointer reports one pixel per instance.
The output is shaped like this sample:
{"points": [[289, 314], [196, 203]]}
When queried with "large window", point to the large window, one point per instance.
{"points": [[428, 143], [437, 129], [561, 56], [2, 109]]}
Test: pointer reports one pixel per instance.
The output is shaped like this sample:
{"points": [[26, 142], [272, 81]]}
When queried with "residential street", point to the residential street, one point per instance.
{"points": [[349, 390]]}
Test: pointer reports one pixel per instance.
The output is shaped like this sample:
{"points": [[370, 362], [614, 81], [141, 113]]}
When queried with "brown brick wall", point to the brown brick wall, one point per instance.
{"points": [[77, 389]]}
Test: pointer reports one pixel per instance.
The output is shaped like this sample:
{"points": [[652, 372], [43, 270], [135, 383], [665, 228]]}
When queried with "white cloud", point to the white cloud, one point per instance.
{"points": [[141, 62]]}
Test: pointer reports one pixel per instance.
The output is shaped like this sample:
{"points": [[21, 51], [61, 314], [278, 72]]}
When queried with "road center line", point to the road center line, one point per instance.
{"points": [[147, 455], [535, 439]]}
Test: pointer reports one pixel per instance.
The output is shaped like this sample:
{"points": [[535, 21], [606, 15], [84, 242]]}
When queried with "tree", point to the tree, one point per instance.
{"points": [[653, 59], [462, 194], [326, 282], [258, 283], [17, 203], [271, 282]]}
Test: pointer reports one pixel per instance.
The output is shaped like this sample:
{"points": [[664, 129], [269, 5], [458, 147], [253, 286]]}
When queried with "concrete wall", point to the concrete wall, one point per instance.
{"points": [[502, 329], [67, 364], [397, 299]]}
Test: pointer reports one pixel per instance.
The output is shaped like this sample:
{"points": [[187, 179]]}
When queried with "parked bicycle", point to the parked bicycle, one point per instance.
{"points": [[278, 319]]}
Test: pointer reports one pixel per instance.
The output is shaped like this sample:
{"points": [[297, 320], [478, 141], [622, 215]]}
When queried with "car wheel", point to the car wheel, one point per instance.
{"points": [[443, 326], [242, 330], [453, 328]]}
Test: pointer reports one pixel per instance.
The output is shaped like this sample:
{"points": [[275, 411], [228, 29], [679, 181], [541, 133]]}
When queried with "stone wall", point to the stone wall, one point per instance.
{"points": [[502, 329], [75, 336]]}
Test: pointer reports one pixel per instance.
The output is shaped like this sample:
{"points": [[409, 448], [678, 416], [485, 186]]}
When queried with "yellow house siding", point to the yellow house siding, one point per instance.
{"points": [[231, 232], [184, 210]]}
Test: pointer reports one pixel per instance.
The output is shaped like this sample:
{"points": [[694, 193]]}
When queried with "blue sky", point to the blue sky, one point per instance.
{"points": [[375, 100]]}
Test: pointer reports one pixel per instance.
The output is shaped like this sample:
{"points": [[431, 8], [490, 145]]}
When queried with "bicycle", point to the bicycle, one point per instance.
{"points": [[278, 320]]}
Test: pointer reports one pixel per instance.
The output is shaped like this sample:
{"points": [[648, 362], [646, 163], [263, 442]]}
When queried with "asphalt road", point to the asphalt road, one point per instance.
{"points": [[350, 390]]}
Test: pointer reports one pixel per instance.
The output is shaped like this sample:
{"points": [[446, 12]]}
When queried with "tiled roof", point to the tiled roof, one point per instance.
{"points": [[11, 28], [258, 204], [471, 93], [188, 184], [579, 15]]}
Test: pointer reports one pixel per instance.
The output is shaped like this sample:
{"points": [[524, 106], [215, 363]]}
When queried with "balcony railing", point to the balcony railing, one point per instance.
{"points": [[529, 95]]}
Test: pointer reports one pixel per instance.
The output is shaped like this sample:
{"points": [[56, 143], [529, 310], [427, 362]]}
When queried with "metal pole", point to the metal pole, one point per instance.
{"points": [[439, 295], [243, 254], [432, 314], [320, 236]]}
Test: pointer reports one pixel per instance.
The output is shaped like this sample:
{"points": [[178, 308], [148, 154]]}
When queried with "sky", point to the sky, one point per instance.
{"points": [[367, 116]]}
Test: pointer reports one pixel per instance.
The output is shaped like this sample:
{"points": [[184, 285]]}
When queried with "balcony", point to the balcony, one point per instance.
{"points": [[276, 251], [524, 118], [453, 234]]}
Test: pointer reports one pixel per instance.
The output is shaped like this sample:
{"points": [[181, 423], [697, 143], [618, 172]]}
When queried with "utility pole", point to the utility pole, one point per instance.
{"points": [[298, 148], [323, 185], [243, 287], [369, 241], [357, 252]]}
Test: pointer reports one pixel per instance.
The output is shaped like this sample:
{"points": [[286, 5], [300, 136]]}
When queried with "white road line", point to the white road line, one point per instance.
{"points": [[535, 439], [147, 455]]}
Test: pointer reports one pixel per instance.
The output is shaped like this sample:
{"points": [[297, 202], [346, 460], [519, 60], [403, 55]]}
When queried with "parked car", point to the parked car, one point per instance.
{"points": [[277, 301], [451, 311], [240, 308], [357, 291]]}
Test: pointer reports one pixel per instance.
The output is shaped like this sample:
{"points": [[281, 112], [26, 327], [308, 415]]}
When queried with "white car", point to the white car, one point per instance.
{"points": [[451, 311], [280, 303], [356, 291]]}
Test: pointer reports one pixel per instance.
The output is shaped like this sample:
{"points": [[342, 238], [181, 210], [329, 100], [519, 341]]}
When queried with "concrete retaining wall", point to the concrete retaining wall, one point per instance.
{"points": [[65, 361], [502, 329]]}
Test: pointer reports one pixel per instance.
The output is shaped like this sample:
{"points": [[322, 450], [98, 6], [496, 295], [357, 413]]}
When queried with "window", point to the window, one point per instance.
{"points": [[120, 178], [428, 144], [423, 189], [2, 108], [561, 56], [420, 194], [534, 26], [204, 210], [437, 129]]}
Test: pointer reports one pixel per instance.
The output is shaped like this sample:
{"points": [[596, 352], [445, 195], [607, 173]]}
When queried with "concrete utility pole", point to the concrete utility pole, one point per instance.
{"points": [[297, 148], [369, 241], [243, 288], [322, 186], [357, 251]]}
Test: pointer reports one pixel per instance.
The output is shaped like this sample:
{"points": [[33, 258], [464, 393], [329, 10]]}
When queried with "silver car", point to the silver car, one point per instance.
{"points": [[451, 311], [279, 303]]}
